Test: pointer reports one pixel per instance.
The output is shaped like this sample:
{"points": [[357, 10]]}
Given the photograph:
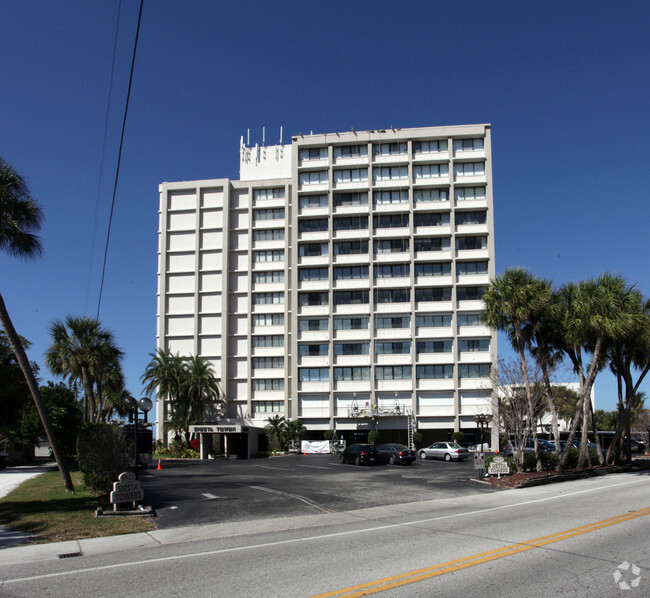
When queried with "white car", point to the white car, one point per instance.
{"points": [[444, 450]]}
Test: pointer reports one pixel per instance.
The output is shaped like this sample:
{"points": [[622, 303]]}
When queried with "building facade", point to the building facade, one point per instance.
{"points": [[338, 281]]}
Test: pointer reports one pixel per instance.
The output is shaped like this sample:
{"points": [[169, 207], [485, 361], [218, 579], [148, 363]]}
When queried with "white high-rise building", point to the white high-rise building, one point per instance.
{"points": [[339, 281]]}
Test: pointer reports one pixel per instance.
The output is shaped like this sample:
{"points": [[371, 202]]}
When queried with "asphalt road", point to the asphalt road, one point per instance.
{"points": [[584, 538], [195, 492]]}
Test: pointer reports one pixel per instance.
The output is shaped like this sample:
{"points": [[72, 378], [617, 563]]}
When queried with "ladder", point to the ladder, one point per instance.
{"points": [[409, 416]]}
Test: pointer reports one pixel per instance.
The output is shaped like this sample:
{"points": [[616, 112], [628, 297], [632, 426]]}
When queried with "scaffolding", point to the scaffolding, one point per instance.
{"points": [[373, 411]]}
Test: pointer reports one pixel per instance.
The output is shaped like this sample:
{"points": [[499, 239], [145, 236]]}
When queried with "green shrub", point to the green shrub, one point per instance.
{"points": [[102, 454], [417, 439], [458, 437], [328, 434], [373, 436]]}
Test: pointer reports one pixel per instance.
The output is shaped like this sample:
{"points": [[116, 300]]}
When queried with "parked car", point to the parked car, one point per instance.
{"points": [[360, 454], [444, 450], [545, 446], [396, 453]]}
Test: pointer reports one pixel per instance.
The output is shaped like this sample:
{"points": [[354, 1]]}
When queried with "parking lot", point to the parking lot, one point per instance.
{"points": [[193, 492]]}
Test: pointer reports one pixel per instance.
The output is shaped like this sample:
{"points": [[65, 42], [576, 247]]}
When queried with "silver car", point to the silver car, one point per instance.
{"points": [[444, 450]]}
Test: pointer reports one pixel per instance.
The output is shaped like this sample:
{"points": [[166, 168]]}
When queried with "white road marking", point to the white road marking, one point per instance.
{"points": [[314, 466], [311, 503], [210, 496]]}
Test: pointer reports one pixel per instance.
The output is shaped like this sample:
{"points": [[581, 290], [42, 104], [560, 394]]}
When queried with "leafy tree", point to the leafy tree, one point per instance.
{"points": [[20, 219], [14, 392], [102, 453], [275, 431], [84, 351], [606, 420], [294, 431], [510, 303], [190, 387]]}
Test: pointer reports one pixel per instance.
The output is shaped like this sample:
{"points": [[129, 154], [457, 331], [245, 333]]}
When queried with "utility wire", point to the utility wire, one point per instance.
{"points": [[119, 159], [101, 162]]}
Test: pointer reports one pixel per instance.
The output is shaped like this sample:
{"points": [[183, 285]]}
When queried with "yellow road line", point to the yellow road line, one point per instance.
{"points": [[396, 581]]}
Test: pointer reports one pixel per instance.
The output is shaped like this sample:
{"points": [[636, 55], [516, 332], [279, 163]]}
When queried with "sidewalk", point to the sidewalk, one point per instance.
{"points": [[11, 478]]}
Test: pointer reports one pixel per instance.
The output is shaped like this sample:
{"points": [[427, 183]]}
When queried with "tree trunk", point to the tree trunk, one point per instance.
{"points": [[25, 366], [551, 406]]}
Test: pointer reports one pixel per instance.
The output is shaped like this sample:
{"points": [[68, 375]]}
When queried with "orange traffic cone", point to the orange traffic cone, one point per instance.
{"points": [[159, 465]]}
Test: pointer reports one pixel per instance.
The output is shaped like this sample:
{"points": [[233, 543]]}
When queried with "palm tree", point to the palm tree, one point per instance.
{"points": [[201, 390], [510, 303], [83, 350], [294, 431], [275, 430], [20, 218]]}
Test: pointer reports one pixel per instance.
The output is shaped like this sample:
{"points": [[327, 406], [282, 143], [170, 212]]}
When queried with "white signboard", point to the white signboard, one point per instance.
{"points": [[479, 460], [315, 446], [498, 466], [217, 429], [128, 489]]}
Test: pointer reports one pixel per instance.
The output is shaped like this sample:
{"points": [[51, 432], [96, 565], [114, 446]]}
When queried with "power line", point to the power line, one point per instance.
{"points": [[119, 159]]}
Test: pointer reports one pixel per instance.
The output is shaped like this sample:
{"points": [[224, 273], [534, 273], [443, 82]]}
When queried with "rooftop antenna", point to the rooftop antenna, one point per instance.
{"points": [[280, 134], [248, 137], [263, 136]]}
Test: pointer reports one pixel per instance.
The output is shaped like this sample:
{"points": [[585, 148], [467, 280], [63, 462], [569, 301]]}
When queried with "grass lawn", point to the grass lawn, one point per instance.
{"points": [[42, 507]]}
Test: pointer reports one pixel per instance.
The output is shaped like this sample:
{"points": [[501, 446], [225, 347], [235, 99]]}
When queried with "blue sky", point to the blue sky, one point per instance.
{"points": [[565, 85]]}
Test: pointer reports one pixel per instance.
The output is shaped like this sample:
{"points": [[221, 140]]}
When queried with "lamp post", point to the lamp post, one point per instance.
{"points": [[482, 421], [132, 404]]}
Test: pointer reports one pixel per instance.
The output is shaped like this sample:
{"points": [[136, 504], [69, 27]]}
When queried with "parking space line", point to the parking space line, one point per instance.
{"points": [[314, 466], [267, 467], [307, 501]]}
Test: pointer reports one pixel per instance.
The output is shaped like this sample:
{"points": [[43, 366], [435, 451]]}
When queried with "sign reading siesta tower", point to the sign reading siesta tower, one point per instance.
{"points": [[127, 489]]}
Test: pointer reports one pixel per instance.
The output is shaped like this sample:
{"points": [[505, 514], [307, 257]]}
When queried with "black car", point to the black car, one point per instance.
{"points": [[360, 454], [396, 453]]}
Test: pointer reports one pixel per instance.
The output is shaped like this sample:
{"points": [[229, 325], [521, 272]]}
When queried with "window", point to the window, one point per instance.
{"points": [[350, 247], [313, 324], [350, 151], [351, 223], [469, 193], [353, 373], [276, 193], [431, 244], [268, 384], [471, 218], [358, 198], [392, 322], [268, 298], [268, 363], [312, 225], [350, 272], [313, 374], [351, 175], [389, 173], [399, 348], [433, 372], [313, 153], [351, 297], [430, 219], [432, 269], [389, 149], [474, 370], [391, 246], [433, 294], [392, 295], [271, 340], [312, 249], [433, 321], [312, 299], [319, 350], [472, 242], [469, 320], [468, 145], [351, 348], [313, 177], [433, 346], [268, 319], [469, 169], [393, 372], [313, 201], [471, 267], [390, 221], [430, 195], [388, 197], [268, 214], [430, 171], [275, 255], [474, 345], [271, 276], [267, 407], [351, 323], [268, 234], [313, 274], [429, 147], [391, 270], [469, 293]]}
